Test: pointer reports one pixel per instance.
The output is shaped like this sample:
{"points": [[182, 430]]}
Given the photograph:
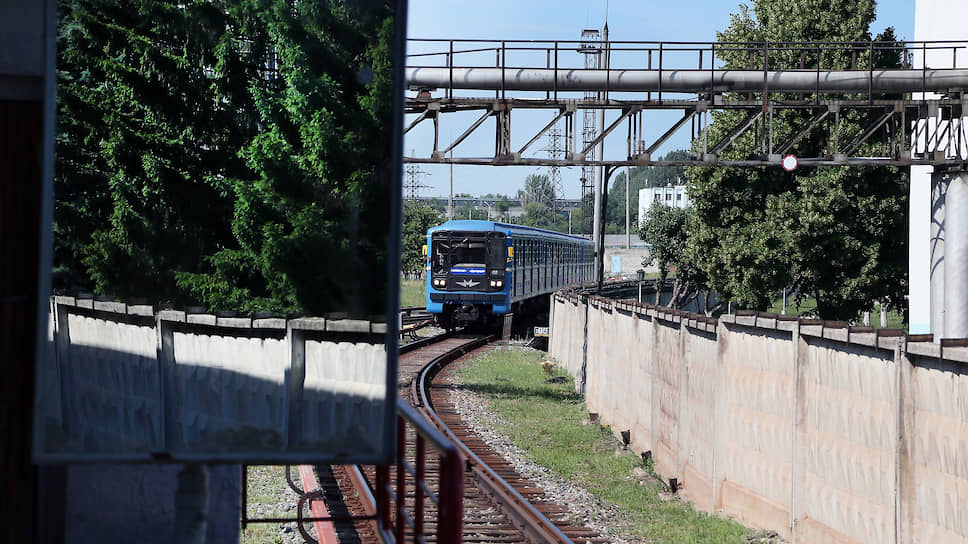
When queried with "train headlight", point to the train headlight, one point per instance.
{"points": [[499, 283], [493, 283]]}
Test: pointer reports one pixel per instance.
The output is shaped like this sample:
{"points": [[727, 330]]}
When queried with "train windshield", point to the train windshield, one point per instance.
{"points": [[451, 250]]}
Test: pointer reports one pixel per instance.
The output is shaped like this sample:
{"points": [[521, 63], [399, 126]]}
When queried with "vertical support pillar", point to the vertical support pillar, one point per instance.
{"points": [[919, 251], [191, 504], [597, 224], [937, 257], [956, 256]]}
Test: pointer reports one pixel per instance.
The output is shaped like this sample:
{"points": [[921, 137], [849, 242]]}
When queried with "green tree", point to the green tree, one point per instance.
{"points": [[502, 206], [836, 234], [537, 188], [139, 182], [666, 229], [538, 214], [417, 219], [228, 153]]}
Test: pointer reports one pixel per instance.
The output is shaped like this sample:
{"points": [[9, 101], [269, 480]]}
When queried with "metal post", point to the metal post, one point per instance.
{"points": [[191, 504], [450, 198], [597, 226], [628, 222], [937, 246], [600, 241], [956, 256]]}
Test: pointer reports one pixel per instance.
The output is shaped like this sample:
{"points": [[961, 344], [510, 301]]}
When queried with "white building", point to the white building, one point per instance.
{"points": [[671, 195]]}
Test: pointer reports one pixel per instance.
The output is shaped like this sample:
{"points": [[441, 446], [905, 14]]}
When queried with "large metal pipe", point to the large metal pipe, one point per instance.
{"points": [[693, 81], [956, 256]]}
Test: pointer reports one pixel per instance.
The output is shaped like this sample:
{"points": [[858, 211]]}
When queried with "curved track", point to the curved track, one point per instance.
{"points": [[500, 505]]}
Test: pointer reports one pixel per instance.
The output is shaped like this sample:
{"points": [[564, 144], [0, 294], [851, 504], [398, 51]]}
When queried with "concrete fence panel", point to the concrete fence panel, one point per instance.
{"points": [[131, 384], [848, 441], [822, 432], [666, 391], [758, 447], [934, 447], [697, 409]]}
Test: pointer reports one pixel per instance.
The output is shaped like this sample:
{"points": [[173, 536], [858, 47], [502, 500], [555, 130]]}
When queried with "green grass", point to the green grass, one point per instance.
{"points": [[808, 307], [413, 293], [266, 485], [548, 421]]}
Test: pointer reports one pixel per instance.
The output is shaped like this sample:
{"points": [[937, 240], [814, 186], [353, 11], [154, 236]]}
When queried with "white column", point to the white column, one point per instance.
{"points": [[956, 257]]}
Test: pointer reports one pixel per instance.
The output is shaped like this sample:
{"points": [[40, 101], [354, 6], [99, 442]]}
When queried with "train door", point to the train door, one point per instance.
{"points": [[530, 266], [554, 265], [516, 281]]}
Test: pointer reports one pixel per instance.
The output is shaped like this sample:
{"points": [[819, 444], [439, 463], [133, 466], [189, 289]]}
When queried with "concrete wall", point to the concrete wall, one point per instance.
{"points": [[820, 431], [124, 383]]}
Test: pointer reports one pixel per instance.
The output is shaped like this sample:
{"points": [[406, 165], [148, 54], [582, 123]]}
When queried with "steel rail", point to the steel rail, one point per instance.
{"points": [[530, 521]]}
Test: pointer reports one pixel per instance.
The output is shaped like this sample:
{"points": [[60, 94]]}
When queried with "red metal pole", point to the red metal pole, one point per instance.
{"points": [[383, 513], [450, 524], [418, 492], [400, 527]]}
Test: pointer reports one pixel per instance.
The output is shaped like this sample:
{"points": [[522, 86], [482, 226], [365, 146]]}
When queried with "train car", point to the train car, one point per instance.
{"points": [[477, 271]]}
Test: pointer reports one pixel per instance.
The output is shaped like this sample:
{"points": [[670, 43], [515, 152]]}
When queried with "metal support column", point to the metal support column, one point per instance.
{"points": [[607, 172], [956, 256]]}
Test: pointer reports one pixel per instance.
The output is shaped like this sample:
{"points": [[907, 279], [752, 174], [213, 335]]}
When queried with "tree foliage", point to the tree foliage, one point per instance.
{"points": [[837, 234], [229, 153], [417, 219], [666, 229]]}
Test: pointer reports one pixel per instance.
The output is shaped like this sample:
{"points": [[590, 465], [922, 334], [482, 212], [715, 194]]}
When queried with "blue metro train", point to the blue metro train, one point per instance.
{"points": [[478, 271]]}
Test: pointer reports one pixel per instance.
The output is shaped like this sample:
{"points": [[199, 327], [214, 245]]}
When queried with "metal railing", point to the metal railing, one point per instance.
{"points": [[394, 517], [507, 57], [448, 498]]}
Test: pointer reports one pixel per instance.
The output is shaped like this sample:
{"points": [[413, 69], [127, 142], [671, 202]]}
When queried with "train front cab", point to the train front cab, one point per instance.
{"points": [[467, 281]]}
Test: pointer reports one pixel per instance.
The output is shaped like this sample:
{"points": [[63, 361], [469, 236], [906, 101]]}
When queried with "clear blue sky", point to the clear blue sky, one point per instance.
{"points": [[631, 20]]}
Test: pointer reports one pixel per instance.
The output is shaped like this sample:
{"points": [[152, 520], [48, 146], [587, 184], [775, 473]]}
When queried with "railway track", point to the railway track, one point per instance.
{"points": [[499, 505]]}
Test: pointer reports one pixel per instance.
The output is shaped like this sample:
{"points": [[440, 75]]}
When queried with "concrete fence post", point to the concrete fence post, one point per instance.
{"points": [[655, 410], [905, 504], [682, 433], [295, 381], [798, 499], [62, 339], [720, 415], [166, 377]]}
